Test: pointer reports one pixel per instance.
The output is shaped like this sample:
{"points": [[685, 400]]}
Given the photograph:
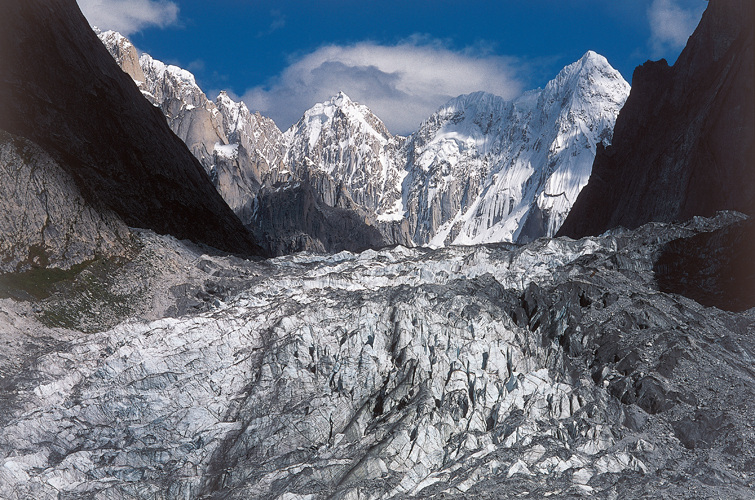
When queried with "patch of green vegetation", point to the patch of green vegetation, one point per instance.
{"points": [[87, 303], [81, 298], [38, 283]]}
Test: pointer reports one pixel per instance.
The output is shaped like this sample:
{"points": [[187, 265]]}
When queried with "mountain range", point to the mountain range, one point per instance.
{"points": [[479, 170]]}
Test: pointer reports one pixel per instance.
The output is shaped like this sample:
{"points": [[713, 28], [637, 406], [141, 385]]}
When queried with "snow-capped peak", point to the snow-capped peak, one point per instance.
{"points": [[589, 77], [339, 108], [160, 68], [112, 35], [341, 99], [510, 170], [344, 140]]}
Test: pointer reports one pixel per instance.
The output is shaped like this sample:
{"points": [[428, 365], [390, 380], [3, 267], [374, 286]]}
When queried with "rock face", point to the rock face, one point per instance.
{"points": [[125, 54], [479, 170], [556, 369], [76, 104], [683, 143], [44, 220], [256, 148], [290, 218], [715, 268], [193, 118], [237, 149]]}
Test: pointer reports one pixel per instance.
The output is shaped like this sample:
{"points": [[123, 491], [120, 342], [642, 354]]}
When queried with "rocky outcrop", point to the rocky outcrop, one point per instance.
{"points": [[191, 116], [76, 104], [253, 157], [683, 143], [125, 54], [44, 220]]}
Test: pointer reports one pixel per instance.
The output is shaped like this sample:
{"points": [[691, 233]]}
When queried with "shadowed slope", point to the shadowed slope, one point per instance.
{"points": [[61, 89]]}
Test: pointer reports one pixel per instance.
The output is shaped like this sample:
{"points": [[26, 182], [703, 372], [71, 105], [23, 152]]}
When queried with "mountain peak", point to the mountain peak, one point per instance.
{"points": [[591, 73], [593, 62], [341, 99], [224, 99], [591, 55], [589, 63]]}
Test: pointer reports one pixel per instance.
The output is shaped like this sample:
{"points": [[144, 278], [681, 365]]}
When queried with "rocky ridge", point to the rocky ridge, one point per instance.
{"points": [[236, 148]]}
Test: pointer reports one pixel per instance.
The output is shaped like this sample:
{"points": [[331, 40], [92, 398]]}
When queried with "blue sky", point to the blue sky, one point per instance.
{"points": [[401, 58]]}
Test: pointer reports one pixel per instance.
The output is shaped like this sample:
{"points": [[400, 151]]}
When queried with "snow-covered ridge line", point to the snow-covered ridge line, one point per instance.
{"points": [[479, 170]]}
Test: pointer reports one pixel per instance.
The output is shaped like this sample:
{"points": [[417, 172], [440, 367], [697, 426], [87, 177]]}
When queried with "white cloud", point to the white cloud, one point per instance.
{"points": [[402, 84], [129, 16], [671, 24]]}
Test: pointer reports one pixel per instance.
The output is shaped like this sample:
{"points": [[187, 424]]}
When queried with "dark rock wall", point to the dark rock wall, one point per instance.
{"points": [[684, 143], [61, 89], [715, 268], [290, 218]]}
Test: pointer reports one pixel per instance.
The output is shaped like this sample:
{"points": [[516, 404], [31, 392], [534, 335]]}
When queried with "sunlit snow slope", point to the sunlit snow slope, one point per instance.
{"points": [[486, 170]]}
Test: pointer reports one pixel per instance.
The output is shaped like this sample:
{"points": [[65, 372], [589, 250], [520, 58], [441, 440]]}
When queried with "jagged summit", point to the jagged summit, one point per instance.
{"points": [[340, 106], [236, 148], [341, 99], [587, 78], [340, 145]]}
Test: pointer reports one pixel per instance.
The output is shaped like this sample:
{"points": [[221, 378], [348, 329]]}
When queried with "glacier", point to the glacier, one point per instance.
{"points": [[553, 369]]}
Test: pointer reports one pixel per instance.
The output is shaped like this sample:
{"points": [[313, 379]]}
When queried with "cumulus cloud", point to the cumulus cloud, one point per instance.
{"points": [[671, 24], [129, 16], [402, 84]]}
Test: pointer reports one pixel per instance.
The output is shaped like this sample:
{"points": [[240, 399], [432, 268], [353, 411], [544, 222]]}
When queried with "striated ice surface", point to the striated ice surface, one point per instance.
{"points": [[555, 369]]}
